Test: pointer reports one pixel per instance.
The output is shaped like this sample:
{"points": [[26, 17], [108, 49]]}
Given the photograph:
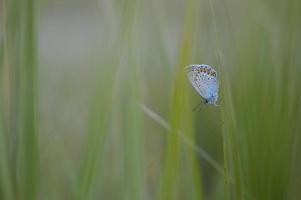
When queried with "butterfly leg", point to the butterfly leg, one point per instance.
{"points": [[216, 104]]}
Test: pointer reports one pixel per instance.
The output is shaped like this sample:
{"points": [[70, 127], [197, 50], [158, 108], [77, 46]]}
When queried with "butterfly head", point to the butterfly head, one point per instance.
{"points": [[212, 99]]}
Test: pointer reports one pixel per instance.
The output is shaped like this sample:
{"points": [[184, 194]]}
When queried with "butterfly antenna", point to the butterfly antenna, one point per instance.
{"points": [[197, 106]]}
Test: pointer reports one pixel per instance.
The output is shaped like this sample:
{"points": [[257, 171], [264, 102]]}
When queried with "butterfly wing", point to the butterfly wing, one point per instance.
{"points": [[204, 79]]}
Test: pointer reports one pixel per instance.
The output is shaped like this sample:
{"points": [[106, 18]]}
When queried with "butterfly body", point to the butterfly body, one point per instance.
{"points": [[204, 79]]}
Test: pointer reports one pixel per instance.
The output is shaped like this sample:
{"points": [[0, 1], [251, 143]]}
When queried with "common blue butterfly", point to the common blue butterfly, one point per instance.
{"points": [[204, 79]]}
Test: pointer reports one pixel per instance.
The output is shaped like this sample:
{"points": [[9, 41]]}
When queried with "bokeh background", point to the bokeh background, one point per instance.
{"points": [[95, 103]]}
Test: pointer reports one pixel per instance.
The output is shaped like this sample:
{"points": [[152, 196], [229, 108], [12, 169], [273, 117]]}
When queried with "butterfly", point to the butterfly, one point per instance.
{"points": [[204, 79]]}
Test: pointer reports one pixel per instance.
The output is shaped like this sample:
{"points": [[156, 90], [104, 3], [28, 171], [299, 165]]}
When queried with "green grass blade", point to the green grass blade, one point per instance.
{"points": [[97, 129], [134, 168], [170, 187], [28, 152], [229, 126], [5, 172]]}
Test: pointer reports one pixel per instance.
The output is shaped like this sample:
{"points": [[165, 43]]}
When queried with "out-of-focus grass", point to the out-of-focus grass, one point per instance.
{"points": [[94, 140], [132, 142], [28, 151], [6, 179], [116, 153], [20, 63], [180, 117], [228, 121], [268, 106]]}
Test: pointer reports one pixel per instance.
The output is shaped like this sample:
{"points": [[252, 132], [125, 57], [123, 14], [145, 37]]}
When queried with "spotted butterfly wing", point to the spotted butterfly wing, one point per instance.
{"points": [[204, 79]]}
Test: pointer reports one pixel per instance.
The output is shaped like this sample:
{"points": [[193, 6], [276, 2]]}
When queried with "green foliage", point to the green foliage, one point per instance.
{"points": [[118, 122]]}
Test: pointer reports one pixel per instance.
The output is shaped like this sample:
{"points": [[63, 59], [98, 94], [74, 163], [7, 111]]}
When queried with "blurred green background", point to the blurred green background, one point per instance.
{"points": [[95, 103]]}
